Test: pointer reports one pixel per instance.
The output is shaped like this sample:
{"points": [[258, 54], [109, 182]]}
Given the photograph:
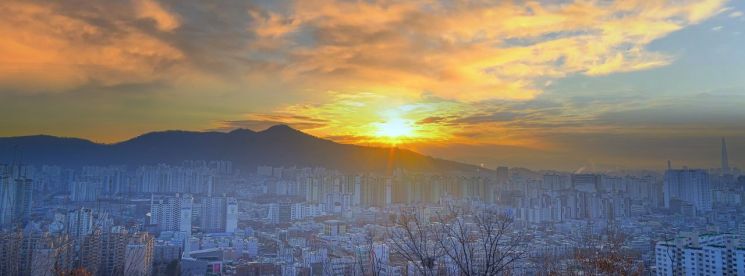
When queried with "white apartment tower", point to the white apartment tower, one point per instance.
{"points": [[172, 213], [79, 223], [218, 214], [231, 215], [707, 254]]}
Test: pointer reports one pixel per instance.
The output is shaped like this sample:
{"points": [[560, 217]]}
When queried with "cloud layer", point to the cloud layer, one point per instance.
{"points": [[463, 50]]}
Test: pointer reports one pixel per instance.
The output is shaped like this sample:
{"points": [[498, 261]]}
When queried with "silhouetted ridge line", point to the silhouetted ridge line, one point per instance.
{"points": [[279, 145]]}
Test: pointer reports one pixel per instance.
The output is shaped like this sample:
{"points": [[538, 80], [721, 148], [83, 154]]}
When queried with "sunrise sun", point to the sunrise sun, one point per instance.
{"points": [[395, 129]]}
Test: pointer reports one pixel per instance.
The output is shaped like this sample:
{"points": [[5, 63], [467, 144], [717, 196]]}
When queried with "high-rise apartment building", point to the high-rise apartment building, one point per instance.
{"points": [[231, 215], [172, 213], [85, 191], [117, 252], [589, 183], [688, 185], [212, 214], [707, 254], [79, 223], [555, 182], [218, 214], [15, 195]]}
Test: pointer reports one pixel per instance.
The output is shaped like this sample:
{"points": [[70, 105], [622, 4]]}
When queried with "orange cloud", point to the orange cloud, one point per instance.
{"points": [[463, 50], [44, 49], [150, 9], [472, 50]]}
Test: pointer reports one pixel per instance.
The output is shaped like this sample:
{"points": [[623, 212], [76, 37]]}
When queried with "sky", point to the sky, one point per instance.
{"points": [[600, 85]]}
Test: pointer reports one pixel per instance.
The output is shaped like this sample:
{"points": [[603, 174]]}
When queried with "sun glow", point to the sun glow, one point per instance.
{"points": [[377, 120], [395, 129]]}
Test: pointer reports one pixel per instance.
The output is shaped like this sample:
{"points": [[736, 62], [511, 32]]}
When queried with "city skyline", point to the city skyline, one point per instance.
{"points": [[604, 85]]}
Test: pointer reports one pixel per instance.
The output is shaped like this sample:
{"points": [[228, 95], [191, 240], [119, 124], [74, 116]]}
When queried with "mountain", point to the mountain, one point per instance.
{"points": [[279, 145]]}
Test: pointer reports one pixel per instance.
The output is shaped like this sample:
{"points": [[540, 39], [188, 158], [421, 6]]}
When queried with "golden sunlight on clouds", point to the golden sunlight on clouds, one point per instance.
{"points": [[151, 9], [375, 119], [465, 50], [43, 50], [473, 50], [363, 118], [375, 71], [395, 128], [463, 53]]}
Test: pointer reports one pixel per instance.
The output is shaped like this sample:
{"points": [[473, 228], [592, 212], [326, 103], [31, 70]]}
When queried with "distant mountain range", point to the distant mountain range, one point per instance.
{"points": [[279, 145]]}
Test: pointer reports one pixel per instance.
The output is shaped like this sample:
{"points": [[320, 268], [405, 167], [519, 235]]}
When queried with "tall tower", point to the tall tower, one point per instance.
{"points": [[725, 161], [15, 195], [231, 215]]}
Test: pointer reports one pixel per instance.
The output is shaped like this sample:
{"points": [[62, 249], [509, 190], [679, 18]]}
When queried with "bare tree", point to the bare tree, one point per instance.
{"points": [[415, 240], [549, 264], [459, 241], [606, 255], [481, 242], [49, 254], [80, 271], [138, 254], [366, 259], [672, 254]]}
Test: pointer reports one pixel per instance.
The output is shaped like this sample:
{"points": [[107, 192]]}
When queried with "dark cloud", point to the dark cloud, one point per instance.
{"points": [[263, 121], [346, 139], [261, 125], [436, 120], [504, 116]]}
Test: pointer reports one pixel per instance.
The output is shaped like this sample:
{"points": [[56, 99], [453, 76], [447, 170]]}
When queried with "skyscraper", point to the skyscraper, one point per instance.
{"points": [[172, 213], [24, 191], [212, 214], [7, 196], [15, 195], [725, 160], [688, 185], [218, 214], [79, 223], [231, 215]]}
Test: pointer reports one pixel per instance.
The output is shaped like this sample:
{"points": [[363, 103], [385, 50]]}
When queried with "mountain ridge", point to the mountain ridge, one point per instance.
{"points": [[279, 145]]}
